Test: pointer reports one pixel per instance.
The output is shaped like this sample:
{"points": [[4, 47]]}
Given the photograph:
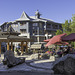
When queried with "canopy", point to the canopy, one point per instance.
{"points": [[58, 43], [47, 40], [70, 37], [62, 43], [55, 39]]}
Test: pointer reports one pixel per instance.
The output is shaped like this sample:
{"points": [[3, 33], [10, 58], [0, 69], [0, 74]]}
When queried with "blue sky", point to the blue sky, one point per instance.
{"points": [[57, 10]]}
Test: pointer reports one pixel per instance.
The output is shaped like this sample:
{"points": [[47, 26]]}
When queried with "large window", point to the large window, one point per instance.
{"points": [[23, 30]]}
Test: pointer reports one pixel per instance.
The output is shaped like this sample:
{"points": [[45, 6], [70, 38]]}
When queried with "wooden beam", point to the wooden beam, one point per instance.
{"points": [[8, 46], [0, 47], [26, 51], [22, 47], [11, 46]]}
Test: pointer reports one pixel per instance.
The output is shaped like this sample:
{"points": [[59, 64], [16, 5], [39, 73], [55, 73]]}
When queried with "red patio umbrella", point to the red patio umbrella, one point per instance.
{"points": [[62, 43], [47, 40], [70, 37], [57, 43], [55, 39]]}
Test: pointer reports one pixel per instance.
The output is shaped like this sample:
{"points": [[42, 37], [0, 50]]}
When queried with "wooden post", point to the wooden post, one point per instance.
{"points": [[26, 51], [22, 47], [0, 47], [8, 46], [11, 46]]}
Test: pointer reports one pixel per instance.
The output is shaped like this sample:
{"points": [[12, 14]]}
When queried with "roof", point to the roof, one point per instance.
{"points": [[10, 31], [5, 38], [24, 17], [33, 18]]}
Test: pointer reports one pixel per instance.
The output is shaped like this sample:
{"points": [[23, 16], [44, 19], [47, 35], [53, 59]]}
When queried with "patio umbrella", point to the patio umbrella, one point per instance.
{"points": [[47, 40], [55, 39], [57, 43], [70, 37], [62, 43]]}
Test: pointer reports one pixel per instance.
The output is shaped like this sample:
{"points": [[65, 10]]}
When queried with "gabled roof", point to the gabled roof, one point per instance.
{"points": [[24, 17], [10, 31]]}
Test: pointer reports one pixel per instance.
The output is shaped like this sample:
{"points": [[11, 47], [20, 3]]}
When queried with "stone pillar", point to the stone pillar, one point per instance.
{"points": [[11, 46], [22, 47], [0, 47], [26, 51], [8, 46]]}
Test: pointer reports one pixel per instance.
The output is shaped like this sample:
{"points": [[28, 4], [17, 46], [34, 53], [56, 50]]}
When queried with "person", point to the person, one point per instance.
{"points": [[60, 52], [68, 50], [42, 46], [53, 52]]}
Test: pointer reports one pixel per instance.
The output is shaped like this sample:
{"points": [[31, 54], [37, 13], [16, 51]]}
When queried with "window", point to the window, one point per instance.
{"points": [[40, 32], [35, 24], [34, 31], [55, 26], [41, 39], [33, 28], [23, 30], [40, 25], [48, 25], [16, 25]]}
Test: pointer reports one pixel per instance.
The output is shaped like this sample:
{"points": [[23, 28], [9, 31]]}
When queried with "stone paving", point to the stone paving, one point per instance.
{"points": [[34, 65]]}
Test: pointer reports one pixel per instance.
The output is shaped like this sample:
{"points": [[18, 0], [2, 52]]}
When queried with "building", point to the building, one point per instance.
{"points": [[33, 27]]}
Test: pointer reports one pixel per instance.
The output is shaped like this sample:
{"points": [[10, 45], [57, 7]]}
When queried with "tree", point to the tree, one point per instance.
{"points": [[66, 27], [72, 26], [58, 32]]}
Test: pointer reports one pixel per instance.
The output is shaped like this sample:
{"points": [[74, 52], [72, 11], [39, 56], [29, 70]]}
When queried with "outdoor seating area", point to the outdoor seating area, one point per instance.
{"points": [[43, 55], [62, 47], [62, 44]]}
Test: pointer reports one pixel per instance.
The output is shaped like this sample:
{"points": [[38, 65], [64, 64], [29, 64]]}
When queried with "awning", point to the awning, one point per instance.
{"points": [[70, 37], [55, 39]]}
